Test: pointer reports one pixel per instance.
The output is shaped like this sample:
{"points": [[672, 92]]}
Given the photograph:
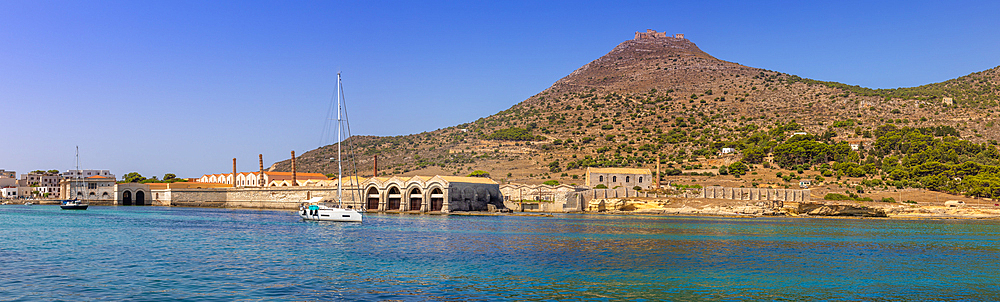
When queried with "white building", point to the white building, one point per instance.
{"points": [[8, 187], [9, 192], [87, 173], [91, 188]]}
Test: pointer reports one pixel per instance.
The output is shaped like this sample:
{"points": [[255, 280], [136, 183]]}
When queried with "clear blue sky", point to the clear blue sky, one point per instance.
{"points": [[184, 86]]}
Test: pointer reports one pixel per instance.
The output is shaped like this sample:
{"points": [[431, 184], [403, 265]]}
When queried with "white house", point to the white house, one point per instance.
{"points": [[87, 173]]}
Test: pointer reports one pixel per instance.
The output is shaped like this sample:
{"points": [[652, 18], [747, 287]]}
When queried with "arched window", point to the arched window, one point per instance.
{"points": [[614, 178], [627, 178], [600, 178], [640, 179]]}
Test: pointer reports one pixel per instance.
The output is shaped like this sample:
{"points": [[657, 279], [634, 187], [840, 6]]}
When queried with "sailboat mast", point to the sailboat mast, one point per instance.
{"points": [[73, 183], [340, 169]]}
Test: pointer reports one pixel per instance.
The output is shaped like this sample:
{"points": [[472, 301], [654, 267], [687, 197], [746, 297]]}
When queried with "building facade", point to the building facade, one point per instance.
{"points": [[431, 194], [43, 185], [91, 188], [253, 179], [619, 177], [87, 173]]}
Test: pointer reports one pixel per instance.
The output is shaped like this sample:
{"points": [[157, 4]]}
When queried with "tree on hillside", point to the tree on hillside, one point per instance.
{"points": [[738, 168], [133, 177], [169, 176], [554, 167]]}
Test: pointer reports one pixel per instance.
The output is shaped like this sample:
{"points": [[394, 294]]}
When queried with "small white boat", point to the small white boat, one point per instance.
{"points": [[315, 209], [27, 203]]}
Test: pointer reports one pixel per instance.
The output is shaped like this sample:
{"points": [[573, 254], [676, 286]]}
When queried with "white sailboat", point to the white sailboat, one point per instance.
{"points": [[315, 208], [75, 203]]}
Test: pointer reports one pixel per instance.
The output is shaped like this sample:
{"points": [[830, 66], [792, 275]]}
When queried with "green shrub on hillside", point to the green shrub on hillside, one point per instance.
{"points": [[836, 196], [514, 134]]}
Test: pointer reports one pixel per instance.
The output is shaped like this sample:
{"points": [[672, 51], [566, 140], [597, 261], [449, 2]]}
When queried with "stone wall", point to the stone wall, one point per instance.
{"points": [[262, 198], [588, 195], [472, 197], [714, 192]]}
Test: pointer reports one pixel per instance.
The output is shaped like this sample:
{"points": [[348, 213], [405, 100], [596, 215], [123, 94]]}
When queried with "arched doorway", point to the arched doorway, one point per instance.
{"points": [[127, 198], [373, 199], [437, 200], [415, 199], [140, 198], [394, 199]]}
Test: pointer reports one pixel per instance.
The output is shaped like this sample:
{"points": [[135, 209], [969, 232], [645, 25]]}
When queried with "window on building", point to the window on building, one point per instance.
{"points": [[600, 178], [627, 178], [92, 186], [640, 179], [614, 178]]}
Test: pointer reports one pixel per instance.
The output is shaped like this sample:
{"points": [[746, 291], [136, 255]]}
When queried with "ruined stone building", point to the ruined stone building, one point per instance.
{"points": [[652, 34], [619, 177]]}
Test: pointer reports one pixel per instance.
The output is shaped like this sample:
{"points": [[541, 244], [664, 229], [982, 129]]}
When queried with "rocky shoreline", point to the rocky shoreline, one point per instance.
{"points": [[814, 209], [707, 207]]}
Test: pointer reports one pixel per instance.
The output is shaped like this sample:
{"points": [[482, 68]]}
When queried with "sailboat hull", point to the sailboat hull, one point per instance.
{"points": [[74, 207], [323, 213]]}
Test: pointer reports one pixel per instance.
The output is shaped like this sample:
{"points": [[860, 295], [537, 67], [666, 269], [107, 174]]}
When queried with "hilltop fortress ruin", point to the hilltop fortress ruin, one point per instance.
{"points": [[652, 34]]}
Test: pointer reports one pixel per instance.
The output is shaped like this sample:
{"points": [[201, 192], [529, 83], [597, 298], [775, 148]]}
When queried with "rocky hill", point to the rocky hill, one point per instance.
{"points": [[664, 100]]}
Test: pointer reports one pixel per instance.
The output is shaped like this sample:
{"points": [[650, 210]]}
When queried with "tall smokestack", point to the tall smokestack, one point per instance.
{"points": [[234, 172], [293, 169], [260, 177], [375, 174]]}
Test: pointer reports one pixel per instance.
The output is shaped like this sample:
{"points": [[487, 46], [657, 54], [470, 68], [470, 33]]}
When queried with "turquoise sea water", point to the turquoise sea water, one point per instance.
{"points": [[158, 253]]}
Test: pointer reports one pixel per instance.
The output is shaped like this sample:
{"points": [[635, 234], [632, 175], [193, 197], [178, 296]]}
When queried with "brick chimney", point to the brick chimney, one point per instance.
{"points": [[234, 172], [294, 183]]}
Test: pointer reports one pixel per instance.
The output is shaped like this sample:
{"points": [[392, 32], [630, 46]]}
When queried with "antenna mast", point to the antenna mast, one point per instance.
{"points": [[340, 168]]}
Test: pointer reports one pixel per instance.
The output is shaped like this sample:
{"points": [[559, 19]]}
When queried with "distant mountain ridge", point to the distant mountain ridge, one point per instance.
{"points": [[664, 98]]}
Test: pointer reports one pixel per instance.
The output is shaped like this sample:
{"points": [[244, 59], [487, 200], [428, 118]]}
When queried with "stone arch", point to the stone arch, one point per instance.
{"points": [[140, 198], [437, 199], [482, 198], [393, 199], [92, 195], [416, 199], [468, 194], [105, 196], [373, 198], [127, 198]]}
